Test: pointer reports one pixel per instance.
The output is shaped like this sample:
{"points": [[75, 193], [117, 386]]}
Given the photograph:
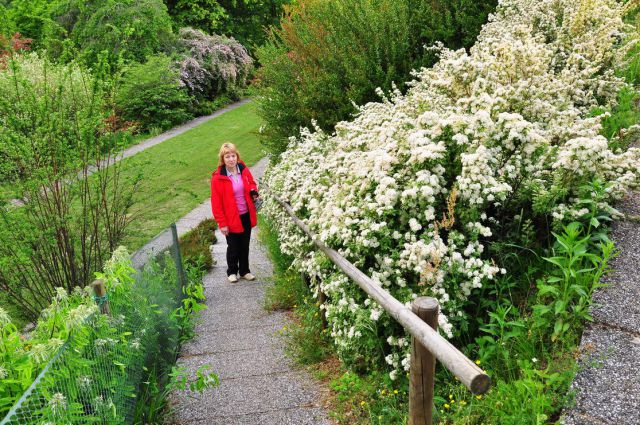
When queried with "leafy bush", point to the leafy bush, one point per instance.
{"points": [[52, 137], [99, 363], [212, 65], [326, 56], [195, 245], [6, 23], [16, 44], [151, 94], [128, 30], [244, 20], [482, 143], [205, 15], [29, 17]]}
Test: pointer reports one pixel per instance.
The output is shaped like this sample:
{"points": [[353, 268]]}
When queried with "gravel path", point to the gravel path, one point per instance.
{"points": [[240, 341], [608, 385]]}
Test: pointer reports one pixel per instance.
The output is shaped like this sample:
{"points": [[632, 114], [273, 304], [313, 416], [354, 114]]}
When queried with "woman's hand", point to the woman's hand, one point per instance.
{"points": [[225, 230]]}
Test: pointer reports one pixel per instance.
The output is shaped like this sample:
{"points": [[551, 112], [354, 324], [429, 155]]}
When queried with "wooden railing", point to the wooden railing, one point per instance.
{"points": [[421, 322]]}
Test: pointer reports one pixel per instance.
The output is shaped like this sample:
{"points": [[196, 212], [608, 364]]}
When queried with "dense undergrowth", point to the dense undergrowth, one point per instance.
{"points": [[489, 187], [195, 245], [118, 367]]}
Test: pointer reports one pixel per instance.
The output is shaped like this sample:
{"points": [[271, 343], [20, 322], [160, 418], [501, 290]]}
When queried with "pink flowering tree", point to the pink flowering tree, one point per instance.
{"points": [[212, 64]]}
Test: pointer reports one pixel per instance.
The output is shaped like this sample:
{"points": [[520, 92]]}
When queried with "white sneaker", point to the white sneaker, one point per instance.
{"points": [[232, 278], [249, 276]]}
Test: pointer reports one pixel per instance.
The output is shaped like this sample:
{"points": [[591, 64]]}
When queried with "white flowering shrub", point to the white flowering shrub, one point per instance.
{"points": [[415, 189]]}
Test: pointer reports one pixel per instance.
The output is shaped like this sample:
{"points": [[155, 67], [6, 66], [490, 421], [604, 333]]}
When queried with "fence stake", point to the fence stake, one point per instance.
{"points": [[423, 366], [177, 257], [101, 296], [322, 299]]}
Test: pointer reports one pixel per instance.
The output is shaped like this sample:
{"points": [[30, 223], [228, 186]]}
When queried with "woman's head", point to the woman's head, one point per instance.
{"points": [[229, 155]]}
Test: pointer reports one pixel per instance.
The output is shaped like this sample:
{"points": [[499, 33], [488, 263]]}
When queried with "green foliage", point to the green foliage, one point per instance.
{"points": [[307, 341], [195, 245], [30, 18], [288, 288], [7, 26], [150, 94], [372, 399], [206, 15], [245, 20], [127, 30], [326, 56], [164, 377], [567, 292], [208, 107], [529, 400], [102, 366], [54, 134], [620, 125]]}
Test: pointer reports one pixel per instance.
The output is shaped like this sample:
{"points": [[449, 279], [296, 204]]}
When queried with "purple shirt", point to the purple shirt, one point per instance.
{"points": [[238, 193]]}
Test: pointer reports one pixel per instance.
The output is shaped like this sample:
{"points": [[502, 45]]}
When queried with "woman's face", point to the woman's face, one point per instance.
{"points": [[230, 159]]}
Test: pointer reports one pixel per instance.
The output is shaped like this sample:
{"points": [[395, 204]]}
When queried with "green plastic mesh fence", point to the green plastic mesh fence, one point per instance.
{"points": [[95, 377]]}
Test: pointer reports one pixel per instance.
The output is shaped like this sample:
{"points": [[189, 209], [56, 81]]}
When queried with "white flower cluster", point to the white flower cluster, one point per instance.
{"points": [[411, 189], [58, 403]]}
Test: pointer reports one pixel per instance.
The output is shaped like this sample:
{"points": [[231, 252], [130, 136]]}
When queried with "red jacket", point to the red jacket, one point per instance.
{"points": [[223, 203]]}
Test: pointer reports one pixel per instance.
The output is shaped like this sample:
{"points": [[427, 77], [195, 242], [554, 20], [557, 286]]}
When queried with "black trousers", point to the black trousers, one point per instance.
{"points": [[238, 248]]}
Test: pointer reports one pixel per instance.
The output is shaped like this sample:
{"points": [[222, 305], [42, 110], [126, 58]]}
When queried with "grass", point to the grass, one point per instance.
{"points": [[175, 174], [206, 108]]}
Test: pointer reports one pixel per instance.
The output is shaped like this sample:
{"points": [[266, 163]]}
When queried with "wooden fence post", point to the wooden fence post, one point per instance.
{"points": [[101, 296], [423, 366], [322, 299], [177, 258]]}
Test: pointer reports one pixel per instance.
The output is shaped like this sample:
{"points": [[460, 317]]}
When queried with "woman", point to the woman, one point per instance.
{"points": [[233, 192]]}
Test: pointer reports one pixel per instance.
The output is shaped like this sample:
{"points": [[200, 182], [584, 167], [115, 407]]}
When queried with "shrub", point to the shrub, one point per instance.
{"points": [[128, 30], [430, 180], [195, 245], [205, 15], [212, 64], [6, 23], [10, 46], [326, 56], [52, 136], [244, 20], [99, 364], [151, 94], [30, 17]]}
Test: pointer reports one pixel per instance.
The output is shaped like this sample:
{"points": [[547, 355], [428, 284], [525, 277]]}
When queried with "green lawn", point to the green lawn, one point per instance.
{"points": [[176, 172]]}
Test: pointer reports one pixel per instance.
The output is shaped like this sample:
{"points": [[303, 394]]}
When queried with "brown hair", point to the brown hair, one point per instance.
{"points": [[226, 148]]}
